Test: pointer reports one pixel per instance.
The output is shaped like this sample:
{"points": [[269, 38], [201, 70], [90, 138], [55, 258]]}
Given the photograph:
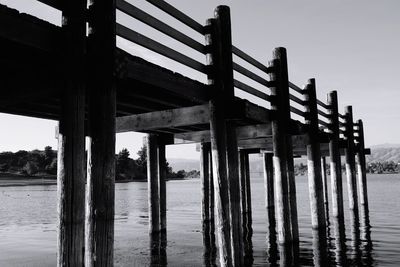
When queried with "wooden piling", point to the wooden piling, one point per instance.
{"points": [[314, 159], [269, 188], [350, 162], [71, 140], [325, 188], [279, 88], [99, 240], [205, 189], [162, 186], [335, 160], [361, 170], [248, 191], [152, 184], [243, 191]]}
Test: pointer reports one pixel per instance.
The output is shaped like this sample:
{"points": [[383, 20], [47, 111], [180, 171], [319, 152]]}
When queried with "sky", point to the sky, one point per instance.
{"points": [[348, 46]]}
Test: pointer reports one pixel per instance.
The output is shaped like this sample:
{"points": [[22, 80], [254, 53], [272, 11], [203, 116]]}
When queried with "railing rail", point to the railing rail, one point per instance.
{"points": [[236, 51]]}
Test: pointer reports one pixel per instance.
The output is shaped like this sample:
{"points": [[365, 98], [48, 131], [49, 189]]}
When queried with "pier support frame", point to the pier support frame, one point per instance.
{"points": [[350, 162], [223, 140], [325, 188], [162, 185], [71, 141], [152, 184], [280, 107], [99, 239], [314, 160], [361, 170], [245, 190], [269, 189]]}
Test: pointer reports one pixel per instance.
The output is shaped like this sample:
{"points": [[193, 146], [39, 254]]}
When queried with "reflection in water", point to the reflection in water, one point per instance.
{"points": [[158, 246], [209, 248], [320, 253], [354, 249], [366, 241], [340, 241], [271, 239]]}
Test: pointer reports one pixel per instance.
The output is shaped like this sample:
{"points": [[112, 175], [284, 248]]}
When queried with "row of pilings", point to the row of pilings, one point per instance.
{"points": [[86, 215]]}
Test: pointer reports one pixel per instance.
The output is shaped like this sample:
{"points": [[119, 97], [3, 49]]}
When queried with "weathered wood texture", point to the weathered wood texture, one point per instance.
{"points": [[269, 188], [361, 170], [350, 161], [205, 186], [325, 187], [71, 141], [152, 184], [99, 245], [335, 160], [314, 159], [279, 82], [162, 184], [245, 191]]}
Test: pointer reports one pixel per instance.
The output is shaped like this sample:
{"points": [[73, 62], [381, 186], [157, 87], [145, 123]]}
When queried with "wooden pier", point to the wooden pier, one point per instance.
{"points": [[95, 90]]}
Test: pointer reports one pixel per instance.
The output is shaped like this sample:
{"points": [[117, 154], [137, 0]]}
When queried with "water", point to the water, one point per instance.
{"points": [[28, 225]]}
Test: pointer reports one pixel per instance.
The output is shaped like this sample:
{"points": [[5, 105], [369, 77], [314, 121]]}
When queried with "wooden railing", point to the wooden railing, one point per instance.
{"points": [[166, 29]]}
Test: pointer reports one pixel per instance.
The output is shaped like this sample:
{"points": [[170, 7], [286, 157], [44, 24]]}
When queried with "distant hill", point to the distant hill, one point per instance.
{"points": [[385, 152], [379, 153]]}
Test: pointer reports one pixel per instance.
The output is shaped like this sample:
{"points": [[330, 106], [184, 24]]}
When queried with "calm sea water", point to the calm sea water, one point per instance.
{"points": [[28, 225]]}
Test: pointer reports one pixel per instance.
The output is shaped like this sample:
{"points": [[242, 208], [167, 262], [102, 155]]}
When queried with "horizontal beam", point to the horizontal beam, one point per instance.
{"points": [[28, 30], [242, 133], [163, 119]]}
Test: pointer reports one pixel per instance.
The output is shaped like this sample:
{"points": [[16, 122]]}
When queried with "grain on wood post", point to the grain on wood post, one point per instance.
{"points": [[279, 132], [99, 240], [162, 186], [248, 191], [361, 170], [152, 184], [350, 161], [314, 159], [71, 140], [325, 187], [335, 160]]}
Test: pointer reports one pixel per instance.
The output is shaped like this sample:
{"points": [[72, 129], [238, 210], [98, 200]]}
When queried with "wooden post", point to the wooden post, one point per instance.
{"points": [[335, 162], [223, 139], [248, 192], [269, 189], [162, 183], [205, 191], [243, 191], [314, 159], [361, 170], [99, 240], [279, 88], [71, 140], [325, 188], [350, 164], [152, 184]]}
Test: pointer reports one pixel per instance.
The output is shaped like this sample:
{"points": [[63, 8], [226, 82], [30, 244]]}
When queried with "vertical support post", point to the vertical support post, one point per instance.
{"points": [[223, 139], [350, 162], [280, 107], [361, 170], [152, 185], [269, 189], [71, 140], [99, 244], [325, 188], [248, 191], [335, 161], [162, 183], [314, 159], [205, 190], [336, 179], [243, 191]]}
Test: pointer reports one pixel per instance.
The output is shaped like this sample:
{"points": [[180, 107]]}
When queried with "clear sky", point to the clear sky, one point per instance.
{"points": [[348, 46]]}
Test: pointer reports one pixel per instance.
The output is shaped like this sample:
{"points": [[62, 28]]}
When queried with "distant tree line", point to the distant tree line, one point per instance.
{"points": [[383, 167], [44, 162]]}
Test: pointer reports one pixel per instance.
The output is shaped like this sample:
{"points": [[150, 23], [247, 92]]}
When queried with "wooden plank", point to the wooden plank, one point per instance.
{"points": [[164, 119], [182, 17], [236, 51], [57, 4], [251, 90], [147, 73], [28, 30], [250, 75], [157, 24], [159, 48]]}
